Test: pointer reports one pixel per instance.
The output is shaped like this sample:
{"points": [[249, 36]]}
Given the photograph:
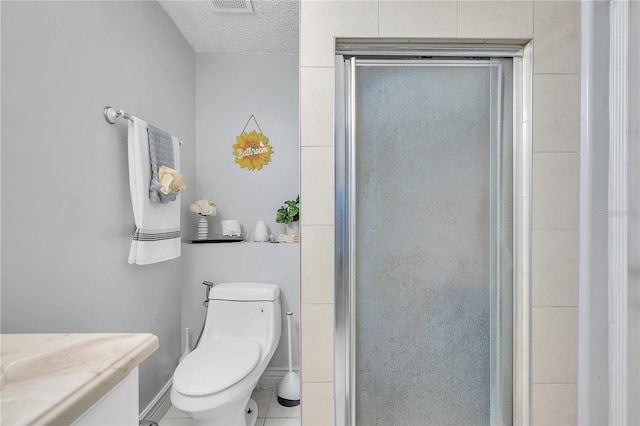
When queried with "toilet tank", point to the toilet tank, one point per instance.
{"points": [[245, 310]]}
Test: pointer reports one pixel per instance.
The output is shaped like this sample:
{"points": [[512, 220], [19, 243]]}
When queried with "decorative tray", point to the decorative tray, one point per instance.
{"points": [[220, 239]]}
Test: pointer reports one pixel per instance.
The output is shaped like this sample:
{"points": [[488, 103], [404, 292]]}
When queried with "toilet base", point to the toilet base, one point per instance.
{"points": [[233, 417], [251, 412]]}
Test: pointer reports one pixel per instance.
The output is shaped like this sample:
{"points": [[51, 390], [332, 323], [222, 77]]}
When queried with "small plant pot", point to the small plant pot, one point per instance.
{"points": [[292, 228]]}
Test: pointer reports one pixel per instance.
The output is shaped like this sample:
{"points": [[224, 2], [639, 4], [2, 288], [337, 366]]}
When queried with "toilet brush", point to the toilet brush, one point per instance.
{"points": [[289, 389]]}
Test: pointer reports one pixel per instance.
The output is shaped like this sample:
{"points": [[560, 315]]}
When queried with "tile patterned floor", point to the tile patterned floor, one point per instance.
{"points": [[270, 413]]}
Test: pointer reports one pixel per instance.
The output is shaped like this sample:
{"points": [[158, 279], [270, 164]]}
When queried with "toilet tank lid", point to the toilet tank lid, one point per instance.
{"points": [[245, 291]]}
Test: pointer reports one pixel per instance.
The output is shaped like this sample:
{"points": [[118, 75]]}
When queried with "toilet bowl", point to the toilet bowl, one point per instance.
{"points": [[241, 333]]}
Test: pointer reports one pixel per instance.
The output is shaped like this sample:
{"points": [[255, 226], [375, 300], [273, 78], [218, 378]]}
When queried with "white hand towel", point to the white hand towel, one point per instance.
{"points": [[157, 235]]}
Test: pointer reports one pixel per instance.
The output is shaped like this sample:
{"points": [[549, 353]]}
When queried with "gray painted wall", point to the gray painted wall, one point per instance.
{"points": [[272, 263], [66, 210], [230, 88]]}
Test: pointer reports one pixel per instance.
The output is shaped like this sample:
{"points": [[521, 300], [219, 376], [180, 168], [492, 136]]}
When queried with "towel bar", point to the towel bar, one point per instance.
{"points": [[111, 115]]}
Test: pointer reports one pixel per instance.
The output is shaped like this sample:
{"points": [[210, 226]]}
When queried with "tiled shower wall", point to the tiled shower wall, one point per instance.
{"points": [[555, 28]]}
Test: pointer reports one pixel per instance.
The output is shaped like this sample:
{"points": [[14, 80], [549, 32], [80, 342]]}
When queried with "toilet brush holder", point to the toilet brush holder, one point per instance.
{"points": [[187, 344], [289, 389]]}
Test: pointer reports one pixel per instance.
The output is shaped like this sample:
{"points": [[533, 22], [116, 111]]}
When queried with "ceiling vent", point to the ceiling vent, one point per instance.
{"points": [[232, 6]]}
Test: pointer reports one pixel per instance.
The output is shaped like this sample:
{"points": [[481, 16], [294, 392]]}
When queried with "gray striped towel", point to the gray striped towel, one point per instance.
{"points": [[160, 154]]}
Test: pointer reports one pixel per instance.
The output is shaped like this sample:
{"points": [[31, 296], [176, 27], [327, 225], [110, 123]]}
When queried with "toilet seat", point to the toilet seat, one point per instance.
{"points": [[220, 364]]}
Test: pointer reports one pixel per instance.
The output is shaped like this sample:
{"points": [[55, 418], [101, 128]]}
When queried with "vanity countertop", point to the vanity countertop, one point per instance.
{"points": [[54, 378]]}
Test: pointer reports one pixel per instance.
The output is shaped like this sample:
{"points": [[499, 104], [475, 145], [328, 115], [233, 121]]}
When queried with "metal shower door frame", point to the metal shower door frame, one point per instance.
{"points": [[345, 203]]}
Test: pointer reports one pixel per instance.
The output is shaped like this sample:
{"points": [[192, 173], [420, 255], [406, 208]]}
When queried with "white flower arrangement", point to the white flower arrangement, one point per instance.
{"points": [[204, 208]]}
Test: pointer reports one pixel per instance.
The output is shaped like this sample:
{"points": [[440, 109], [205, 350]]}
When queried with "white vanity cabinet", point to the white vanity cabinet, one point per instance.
{"points": [[118, 407]]}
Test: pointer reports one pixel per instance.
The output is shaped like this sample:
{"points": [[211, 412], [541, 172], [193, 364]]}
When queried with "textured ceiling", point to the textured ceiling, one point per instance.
{"points": [[271, 28]]}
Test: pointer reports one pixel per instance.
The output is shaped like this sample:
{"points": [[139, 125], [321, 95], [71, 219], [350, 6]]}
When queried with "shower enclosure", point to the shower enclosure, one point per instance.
{"points": [[426, 236]]}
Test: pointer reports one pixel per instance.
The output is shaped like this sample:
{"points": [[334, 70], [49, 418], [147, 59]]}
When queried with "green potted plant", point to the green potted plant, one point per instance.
{"points": [[289, 214]]}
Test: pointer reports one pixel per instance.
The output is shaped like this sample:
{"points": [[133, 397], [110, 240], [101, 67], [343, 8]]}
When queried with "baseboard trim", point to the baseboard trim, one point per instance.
{"points": [[159, 405]]}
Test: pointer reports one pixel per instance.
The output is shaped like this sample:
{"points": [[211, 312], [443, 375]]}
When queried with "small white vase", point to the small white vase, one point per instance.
{"points": [[261, 234], [292, 228], [203, 228]]}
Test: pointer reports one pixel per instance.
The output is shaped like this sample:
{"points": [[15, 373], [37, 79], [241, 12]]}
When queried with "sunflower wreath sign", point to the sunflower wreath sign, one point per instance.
{"points": [[252, 149]]}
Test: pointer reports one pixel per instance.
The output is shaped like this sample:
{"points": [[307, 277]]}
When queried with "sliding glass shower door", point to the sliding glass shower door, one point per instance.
{"points": [[429, 161]]}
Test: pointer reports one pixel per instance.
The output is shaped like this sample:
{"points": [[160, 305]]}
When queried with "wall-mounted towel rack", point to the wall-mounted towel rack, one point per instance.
{"points": [[111, 115]]}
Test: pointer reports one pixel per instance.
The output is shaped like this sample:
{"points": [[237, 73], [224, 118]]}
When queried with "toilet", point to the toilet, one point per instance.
{"points": [[241, 332]]}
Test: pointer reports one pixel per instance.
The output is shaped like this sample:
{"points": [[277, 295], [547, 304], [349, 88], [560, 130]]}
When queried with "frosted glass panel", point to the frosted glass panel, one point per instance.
{"points": [[429, 216]]}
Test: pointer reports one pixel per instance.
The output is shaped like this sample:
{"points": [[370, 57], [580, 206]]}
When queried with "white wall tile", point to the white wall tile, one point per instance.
{"points": [[317, 343], [555, 345], [316, 189], [418, 18], [555, 190], [317, 404], [495, 19], [316, 106], [556, 112], [555, 268], [556, 27], [317, 264], [322, 21], [555, 404]]}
